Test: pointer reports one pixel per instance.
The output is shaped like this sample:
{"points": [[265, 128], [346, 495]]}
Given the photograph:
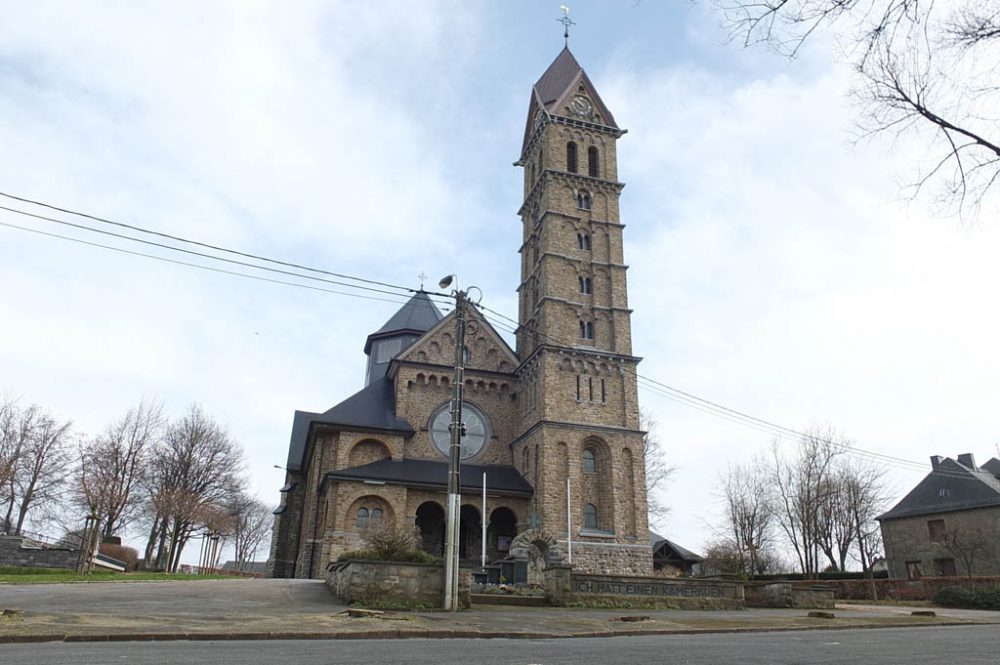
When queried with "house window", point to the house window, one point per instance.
{"points": [[944, 568], [935, 529], [589, 461], [583, 200], [571, 157], [362, 517], [913, 570], [592, 161], [590, 516]]}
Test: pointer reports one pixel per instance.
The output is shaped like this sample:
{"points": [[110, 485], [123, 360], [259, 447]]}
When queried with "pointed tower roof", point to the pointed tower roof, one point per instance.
{"points": [[417, 316], [564, 77]]}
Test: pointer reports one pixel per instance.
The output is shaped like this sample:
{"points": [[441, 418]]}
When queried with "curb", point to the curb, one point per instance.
{"points": [[432, 634]]}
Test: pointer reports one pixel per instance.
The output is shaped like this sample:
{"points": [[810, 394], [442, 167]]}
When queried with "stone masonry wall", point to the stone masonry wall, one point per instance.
{"points": [[387, 583], [16, 552], [909, 540]]}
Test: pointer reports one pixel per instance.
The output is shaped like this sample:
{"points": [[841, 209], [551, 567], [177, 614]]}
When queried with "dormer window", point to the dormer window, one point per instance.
{"points": [[592, 156], [571, 163]]}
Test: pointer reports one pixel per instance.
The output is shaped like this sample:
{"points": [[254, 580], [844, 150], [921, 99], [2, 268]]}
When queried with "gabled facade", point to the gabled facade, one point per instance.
{"points": [[949, 524], [554, 425]]}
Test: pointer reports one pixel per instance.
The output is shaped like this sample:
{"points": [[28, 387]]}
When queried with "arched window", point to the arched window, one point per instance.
{"points": [[592, 161], [465, 354], [583, 330], [579, 241], [586, 330], [586, 242], [589, 461], [586, 285], [571, 157], [583, 200], [590, 516], [362, 517], [376, 515]]}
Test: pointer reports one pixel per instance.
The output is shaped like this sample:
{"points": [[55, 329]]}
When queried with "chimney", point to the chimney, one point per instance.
{"points": [[935, 462], [968, 460]]}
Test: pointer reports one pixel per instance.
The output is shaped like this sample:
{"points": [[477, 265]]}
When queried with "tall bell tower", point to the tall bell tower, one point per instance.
{"points": [[580, 443]]}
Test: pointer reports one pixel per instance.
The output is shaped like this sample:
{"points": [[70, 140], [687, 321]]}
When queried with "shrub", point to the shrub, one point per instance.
{"points": [[383, 542], [971, 598], [127, 555]]}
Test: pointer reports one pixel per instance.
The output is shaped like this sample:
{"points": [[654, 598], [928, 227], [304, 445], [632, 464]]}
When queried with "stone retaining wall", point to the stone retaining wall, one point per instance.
{"points": [[785, 594], [563, 587], [387, 583], [20, 552]]}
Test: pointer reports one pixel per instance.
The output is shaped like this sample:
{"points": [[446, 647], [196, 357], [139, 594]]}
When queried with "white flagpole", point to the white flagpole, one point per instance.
{"points": [[483, 521]]}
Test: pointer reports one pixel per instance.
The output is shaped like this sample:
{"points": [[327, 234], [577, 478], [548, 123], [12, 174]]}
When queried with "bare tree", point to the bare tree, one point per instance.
{"points": [[923, 70], [802, 486], [749, 516], [193, 470], [658, 470], [112, 464], [966, 544], [251, 520], [34, 461]]}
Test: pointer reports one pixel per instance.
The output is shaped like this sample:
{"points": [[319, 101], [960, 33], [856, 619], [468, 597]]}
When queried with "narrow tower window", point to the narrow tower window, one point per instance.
{"points": [[583, 200], [590, 516], [590, 388], [586, 286], [577, 387], [592, 161], [589, 461], [586, 330], [571, 157], [586, 242], [604, 394], [579, 241]]}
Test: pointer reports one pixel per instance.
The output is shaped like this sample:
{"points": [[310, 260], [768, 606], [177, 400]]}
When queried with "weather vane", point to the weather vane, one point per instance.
{"points": [[566, 21]]}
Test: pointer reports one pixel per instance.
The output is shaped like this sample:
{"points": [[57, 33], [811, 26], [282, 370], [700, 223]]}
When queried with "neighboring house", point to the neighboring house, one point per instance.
{"points": [[949, 524], [672, 559], [552, 424]]}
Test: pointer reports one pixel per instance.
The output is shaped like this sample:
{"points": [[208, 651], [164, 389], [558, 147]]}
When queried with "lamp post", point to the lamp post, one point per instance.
{"points": [[456, 429]]}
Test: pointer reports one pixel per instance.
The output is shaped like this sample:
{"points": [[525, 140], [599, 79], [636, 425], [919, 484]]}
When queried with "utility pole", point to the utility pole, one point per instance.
{"points": [[457, 431]]}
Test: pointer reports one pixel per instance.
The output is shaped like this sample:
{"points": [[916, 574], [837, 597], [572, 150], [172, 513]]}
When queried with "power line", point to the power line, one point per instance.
{"points": [[201, 254], [196, 265], [217, 248]]}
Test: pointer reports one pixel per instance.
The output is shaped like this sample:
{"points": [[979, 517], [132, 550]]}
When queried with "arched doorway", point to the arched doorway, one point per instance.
{"points": [[430, 522], [470, 533], [500, 533]]}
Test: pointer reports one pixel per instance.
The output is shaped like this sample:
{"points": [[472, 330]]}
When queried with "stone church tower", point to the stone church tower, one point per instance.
{"points": [[553, 425], [579, 408]]}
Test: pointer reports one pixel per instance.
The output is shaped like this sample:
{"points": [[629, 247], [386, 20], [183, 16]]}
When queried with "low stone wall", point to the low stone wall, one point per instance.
{"points": [[389, 583], [564, 587], [901, 590], [20, 552], [786, 594]]}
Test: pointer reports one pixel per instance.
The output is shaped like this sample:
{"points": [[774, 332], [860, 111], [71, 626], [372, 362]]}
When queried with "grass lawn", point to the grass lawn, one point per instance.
{"points": [[56, 575]]}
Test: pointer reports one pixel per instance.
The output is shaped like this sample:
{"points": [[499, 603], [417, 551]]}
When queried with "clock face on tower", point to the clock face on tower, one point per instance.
{"points": [[477, 431], [581, 106]]}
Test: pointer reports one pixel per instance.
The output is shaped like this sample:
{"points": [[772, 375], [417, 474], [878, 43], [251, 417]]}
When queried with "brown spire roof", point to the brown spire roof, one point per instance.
{"points": [[560, 80]]}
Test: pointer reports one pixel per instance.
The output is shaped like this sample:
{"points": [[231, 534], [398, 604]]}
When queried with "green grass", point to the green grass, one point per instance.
{"points": [[58, 576]]}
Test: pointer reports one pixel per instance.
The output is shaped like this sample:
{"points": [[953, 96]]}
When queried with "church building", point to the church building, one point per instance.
{"points": [[553, 424]]}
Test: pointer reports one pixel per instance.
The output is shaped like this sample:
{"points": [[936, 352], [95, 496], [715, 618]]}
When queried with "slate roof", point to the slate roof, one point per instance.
{"points": [[434, 474], [373, 407], [417, 316], [657, 541], [950, 486], [561, 75]]}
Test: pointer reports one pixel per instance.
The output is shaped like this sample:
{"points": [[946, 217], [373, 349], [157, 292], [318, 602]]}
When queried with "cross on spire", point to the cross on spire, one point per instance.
{"points": [[422, 277], [566, 21]]}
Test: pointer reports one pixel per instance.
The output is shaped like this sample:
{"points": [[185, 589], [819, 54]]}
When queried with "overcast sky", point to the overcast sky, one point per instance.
{"points": [[774, 267]]}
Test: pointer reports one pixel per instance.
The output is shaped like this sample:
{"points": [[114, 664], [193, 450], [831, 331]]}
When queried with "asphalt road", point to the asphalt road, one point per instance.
{"points": [[963, 645]]}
